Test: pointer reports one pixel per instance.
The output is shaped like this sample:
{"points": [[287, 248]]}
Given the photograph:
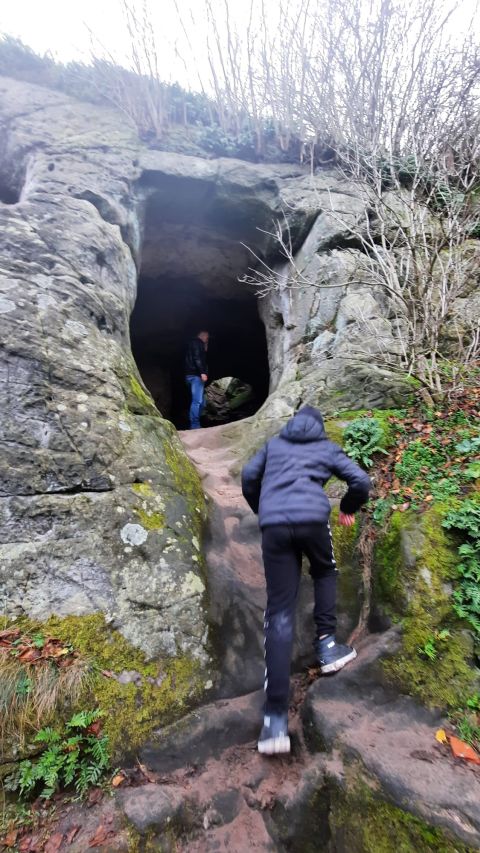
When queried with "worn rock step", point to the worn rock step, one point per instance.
{"points": [[392, 738], [204, 734]]}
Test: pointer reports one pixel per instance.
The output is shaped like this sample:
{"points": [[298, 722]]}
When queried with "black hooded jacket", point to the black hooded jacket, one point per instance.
{"points": [[196, 358], [284, 481]]}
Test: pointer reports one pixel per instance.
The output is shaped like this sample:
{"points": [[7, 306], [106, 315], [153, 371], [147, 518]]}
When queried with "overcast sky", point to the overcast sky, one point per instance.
{"points": [[62, 27]]}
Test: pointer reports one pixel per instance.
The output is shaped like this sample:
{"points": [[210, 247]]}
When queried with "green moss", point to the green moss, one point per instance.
{"points": [[388, 588], [184, 474], [151, 520], [349, 568], [145, 490], [187, 482], [151, 512], [344, 538], [334, 430], [142, 397], [164, 692], [361, 822], [421, 593]]}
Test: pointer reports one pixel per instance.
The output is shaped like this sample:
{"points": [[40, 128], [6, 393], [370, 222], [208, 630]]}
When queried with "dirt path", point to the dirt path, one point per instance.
{"points": [[212, 454]]}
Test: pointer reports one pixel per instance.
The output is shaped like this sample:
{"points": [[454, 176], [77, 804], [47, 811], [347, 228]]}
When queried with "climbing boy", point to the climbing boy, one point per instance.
{"points": [[284, 483]]}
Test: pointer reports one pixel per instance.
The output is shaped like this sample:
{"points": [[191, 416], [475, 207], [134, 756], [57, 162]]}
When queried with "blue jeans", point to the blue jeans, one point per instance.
{"points": [[196, 407]]}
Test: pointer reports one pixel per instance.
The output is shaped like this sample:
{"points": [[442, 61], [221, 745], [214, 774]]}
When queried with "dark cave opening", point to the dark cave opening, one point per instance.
{"points": [[194, 237], [8, 194], [168, 312]]}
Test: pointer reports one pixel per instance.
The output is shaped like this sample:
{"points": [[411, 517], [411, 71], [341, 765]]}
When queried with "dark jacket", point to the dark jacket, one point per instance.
{"points": [[196, 358], [284, 481]]}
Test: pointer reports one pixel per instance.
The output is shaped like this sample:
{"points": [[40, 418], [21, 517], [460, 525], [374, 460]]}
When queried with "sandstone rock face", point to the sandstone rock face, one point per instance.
{"points": [[100, 509]]}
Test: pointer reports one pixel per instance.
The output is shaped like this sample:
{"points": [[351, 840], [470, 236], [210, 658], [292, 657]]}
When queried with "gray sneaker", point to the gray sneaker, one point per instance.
{"points": [[332, 656], [274, 739]]}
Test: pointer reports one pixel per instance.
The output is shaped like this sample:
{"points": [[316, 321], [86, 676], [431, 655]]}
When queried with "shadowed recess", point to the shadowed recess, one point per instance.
{"points": [[191, 259]]}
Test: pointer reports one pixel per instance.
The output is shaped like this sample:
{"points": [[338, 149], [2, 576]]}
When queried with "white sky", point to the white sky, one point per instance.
{"points": [[61, 27]]}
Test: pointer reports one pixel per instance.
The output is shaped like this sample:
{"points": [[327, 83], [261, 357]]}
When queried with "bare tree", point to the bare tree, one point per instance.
{"points": [[413, 244]]}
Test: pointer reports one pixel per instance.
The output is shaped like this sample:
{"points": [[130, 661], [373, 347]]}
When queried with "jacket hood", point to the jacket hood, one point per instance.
{"points": [[306, 425]]}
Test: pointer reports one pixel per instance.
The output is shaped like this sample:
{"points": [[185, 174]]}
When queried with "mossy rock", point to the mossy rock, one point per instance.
{"points": [[361, 821], [349, 583], [162, 691], [415, 560]]}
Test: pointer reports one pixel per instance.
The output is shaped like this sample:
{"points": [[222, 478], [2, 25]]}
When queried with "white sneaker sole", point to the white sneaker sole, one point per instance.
{"points": [[338, 664], [274, 745]]}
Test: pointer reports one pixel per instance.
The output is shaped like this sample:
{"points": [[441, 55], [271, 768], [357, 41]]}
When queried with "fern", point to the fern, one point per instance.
{"points": [[83, 719], [466, 596], [73, 757], [362, 438]]}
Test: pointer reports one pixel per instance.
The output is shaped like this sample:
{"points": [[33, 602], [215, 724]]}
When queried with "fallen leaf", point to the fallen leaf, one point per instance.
{"points": [[101, 835], [94, 728], [149, 776], [108, 673], [461, 749], [72, 832], [54, 843], [118, 779], [95, 796], [9, 635], [29, 655], [428, 498], [10, 839], [36, 843], [441, 736]]}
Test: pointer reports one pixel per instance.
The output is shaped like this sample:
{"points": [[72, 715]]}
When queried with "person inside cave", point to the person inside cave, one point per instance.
{"points": [[196, 375]]}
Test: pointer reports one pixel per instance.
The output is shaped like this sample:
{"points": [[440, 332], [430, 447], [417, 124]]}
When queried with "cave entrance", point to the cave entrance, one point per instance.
{"points": [[191, 259]]}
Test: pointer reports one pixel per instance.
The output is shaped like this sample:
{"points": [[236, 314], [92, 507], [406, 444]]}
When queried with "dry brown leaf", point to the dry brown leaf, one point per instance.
{"points": [[72, 832], [54, 843], [95, 796], [118, 779], [101, 835], [149, 775], [29, 655], [10, 839]]}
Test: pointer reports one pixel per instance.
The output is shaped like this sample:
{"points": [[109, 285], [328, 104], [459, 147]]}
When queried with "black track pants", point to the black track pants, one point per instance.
{"points": [[283, 546]]}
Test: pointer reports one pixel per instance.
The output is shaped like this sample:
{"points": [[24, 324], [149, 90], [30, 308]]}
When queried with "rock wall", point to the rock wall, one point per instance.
{"points": [[100, 508]]}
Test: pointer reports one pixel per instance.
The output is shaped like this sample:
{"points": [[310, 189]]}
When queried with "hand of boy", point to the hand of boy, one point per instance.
{"points": [[346, 520]]}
